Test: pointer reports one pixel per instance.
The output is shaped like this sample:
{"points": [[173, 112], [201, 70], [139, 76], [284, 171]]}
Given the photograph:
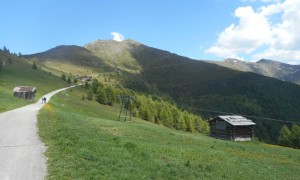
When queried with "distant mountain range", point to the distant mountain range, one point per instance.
{"points": [[203, 87], [282, 71]]}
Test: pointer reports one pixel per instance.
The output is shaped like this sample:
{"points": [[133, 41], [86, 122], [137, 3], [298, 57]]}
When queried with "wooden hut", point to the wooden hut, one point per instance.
{"points": [[85, 78], [235, 128], [25, 92]]}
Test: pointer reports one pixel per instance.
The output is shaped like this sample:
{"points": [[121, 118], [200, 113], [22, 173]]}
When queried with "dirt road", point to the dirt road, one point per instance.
{"points": [[21, 151]]}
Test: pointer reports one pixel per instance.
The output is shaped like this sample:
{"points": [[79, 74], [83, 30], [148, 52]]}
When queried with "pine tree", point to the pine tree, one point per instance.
{"points": [[147, 115], [295, 136], [95, 85], [101, 96], [284, 136], [69, 80], [64, 77], [111, 95], [90, 94], [165, 116], [181, 122], [190, 123], [175, 115], [34, 66], [134, 111], [75, 80], [86, 85]]}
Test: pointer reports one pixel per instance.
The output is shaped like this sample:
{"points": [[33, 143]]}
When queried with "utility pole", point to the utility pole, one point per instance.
{"points": [[125, 108]]}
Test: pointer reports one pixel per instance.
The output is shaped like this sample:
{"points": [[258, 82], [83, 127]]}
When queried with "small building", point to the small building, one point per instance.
{"points": [[25, 92], [85, 78], [235, 128]]}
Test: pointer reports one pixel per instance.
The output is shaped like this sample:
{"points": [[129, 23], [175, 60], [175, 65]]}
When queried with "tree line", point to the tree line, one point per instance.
{"points": [[290, 137], [151, 108]]}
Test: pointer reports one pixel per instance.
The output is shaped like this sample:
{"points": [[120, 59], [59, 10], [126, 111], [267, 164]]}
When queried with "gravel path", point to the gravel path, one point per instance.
{"points": [[21, 151]]}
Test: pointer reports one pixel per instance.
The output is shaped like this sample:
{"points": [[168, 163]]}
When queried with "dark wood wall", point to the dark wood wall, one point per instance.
{"points": [[230, 132]]}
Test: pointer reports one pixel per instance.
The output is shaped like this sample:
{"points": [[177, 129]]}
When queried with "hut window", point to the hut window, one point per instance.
{"points": [[220, 125]]}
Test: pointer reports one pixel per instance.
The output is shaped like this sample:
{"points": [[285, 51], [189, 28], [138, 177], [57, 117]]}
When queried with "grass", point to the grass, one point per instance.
{"points": [[85, 141], [20, 73]]}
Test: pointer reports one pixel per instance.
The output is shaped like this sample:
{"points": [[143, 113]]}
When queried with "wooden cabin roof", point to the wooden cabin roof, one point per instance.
{"points": [[237, 120], [24, 89], [85, 78]]}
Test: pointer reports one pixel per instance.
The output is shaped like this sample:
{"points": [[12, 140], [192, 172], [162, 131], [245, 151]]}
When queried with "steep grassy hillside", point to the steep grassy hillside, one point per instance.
{"points": [[85, 141], [19, 72], [117, 54], [72, 59], [196, 84]]}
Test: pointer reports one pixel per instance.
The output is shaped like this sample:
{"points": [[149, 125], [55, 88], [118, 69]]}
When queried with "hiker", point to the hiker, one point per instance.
{"points": [[42, 100], [45, 99]]}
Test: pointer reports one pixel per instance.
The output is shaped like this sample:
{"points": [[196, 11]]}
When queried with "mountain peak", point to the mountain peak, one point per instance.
{"points": [[266, 61], [233, 60], [99, 42]]}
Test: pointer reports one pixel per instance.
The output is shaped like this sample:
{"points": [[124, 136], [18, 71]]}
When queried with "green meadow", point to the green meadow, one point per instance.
{"points": [[19, 72], [85, 140]]}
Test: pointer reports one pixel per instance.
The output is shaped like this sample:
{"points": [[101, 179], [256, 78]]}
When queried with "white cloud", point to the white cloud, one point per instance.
{"points": [[279, 54], [271, 32], [252, 32], [117, 36]]}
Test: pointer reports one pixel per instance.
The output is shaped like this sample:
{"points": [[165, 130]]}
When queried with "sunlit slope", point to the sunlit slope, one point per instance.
{"points": [[85, 140], [19, 72]]}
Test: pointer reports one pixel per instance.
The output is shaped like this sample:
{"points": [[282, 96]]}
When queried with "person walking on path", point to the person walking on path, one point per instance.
{"points": [[21, 150]]}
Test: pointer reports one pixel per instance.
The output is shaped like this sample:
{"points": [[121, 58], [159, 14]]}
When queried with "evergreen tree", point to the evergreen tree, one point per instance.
{"points": [[290, 138], [69, 80], [181, 122], [75, 80], [90, 94], [165, 116], [101, 96], [175, 115], [95, 85], [284, 136], [134, 111], [111, 95], [146, 113], [64, 77], [34, 66], [295, 136], [190, 126], [86, 85], [6, 50]]}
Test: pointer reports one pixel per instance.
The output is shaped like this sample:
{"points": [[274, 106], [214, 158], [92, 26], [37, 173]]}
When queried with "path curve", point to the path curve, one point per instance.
{"points": [[21, 150]]}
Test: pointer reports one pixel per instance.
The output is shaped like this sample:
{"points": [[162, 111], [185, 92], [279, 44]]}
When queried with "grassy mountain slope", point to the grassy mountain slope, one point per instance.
{"points": [[265, 67], [203, 85], [199, 84], [19, 72], [85, 141], [73, 59], [117, 54]]}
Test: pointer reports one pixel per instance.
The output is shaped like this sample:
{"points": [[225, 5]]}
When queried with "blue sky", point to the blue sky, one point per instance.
{"points": [[210, 29]]}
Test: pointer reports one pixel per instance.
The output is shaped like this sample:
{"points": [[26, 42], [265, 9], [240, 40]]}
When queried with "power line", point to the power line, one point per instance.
{"points": [[207, 110], [257, 117]]}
